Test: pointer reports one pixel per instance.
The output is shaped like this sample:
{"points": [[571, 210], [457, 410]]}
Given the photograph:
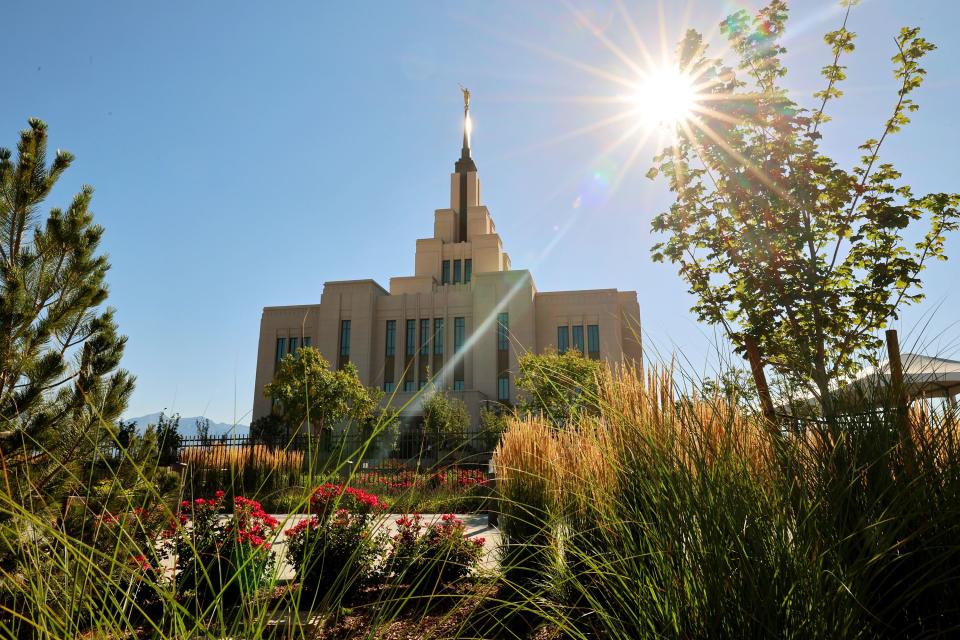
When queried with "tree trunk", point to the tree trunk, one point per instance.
{"points": [[756, 367]]}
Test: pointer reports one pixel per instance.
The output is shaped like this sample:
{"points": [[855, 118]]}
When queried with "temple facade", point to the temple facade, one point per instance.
{"points": [[459, 323]]}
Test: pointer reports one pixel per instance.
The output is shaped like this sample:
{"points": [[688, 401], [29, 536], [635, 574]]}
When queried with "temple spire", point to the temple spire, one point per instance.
{"points": [[465, 163]]}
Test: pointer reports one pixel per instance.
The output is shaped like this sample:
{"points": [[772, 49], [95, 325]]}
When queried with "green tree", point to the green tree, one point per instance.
{"points": [[779, 244], [559, 386], [446, 418], [493, 424], [305, 388], [269, 429], [733, 385], [203, 430], [61, 390], [168, 437]]}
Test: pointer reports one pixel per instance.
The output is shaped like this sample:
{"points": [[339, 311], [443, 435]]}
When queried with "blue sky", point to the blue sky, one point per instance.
{"points": [[241, 150]]}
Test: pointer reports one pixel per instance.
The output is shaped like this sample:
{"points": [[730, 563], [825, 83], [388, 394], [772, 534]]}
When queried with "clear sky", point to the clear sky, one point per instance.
{"points": [[241, 151]]}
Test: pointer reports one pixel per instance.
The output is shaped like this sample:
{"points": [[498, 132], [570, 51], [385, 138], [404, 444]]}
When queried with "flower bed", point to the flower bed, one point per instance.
{"points": [[452, 489]]}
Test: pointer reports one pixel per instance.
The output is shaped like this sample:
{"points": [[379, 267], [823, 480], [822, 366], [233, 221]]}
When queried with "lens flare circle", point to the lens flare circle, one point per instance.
{"points": [[665, 98]]}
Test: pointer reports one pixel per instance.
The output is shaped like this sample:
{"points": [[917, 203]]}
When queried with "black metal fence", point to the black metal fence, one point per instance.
{"points": [[414, 448]]}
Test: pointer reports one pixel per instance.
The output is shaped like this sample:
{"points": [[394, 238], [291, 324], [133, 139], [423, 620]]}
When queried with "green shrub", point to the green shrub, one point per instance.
{"points": [[428, 558], [335, 551], [221, 559]]}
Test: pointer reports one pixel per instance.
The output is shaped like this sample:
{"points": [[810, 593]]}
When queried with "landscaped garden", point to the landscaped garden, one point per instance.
{"points": [[610, 501]]}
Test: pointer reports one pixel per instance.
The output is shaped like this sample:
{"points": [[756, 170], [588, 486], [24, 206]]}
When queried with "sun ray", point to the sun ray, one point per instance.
{"points": [[591, 69], [628, 163], [575, 133], [662, 23], [595, 31], [743, 161], [699, 108], [632, 28]]}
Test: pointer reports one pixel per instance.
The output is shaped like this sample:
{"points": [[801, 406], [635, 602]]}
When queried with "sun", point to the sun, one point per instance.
{"points": [[665, 98]]}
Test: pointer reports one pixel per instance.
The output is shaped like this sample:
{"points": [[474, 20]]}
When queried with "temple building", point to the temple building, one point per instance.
{"points": [[459, 323]]}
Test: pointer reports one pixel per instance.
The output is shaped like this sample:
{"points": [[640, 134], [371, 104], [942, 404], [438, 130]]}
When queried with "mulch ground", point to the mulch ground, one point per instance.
{"points": [[474, 611]]}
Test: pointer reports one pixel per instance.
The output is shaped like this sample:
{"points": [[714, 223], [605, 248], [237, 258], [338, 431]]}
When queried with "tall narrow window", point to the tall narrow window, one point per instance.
{"points": [[467, 270], [437, 349], [445, 277], [503, 389], [438, 336], [459, 329], [306, 342], [389, 353], [281, 348], [563, 339], [456, 272], [292, 348], [578, 338], [423, 362], [593, 341], [503, 357], [424, 337], [344, 344], [411, 347], [410, 350], [503, 332], [391, 342]]}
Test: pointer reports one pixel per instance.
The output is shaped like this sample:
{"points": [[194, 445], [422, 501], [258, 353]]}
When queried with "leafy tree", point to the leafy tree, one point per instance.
{"points": [[305, 388], [778, 243], [61, 390], [447, 418], [268, 429], [493, 424], [168, 438], [203, 430], [126, 431], [559, 386], [734, 386], [381, 429]]}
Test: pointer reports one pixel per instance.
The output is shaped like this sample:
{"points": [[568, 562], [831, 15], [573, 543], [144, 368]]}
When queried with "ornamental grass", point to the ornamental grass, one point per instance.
{"points": [[242, 469], [667, 514]]}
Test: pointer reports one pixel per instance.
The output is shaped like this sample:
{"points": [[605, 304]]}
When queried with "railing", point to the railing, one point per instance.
{"points": [[412, 448]]}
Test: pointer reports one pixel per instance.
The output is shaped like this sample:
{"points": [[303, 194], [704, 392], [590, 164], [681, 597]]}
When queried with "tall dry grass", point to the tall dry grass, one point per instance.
{"points": [[258, 456], [668, 515], [253, 469]]}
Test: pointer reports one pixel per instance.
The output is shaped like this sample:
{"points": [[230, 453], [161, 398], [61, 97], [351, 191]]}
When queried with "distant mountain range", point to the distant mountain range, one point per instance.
{"points": [[188, 426]]}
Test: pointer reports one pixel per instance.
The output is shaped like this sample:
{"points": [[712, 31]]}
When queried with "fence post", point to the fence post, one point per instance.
{"points": [[756, 367], [896, 368], [898, 391]]}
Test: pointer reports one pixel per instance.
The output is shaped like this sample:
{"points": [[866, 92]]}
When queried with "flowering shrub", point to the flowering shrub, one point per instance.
{"points": [[426, 558], [217, 555], [335, 550], [331, 497], [453, 478]]}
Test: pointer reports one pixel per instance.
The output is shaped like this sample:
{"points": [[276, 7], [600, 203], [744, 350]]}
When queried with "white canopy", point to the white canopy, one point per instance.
{"points": [[923, 376]]}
